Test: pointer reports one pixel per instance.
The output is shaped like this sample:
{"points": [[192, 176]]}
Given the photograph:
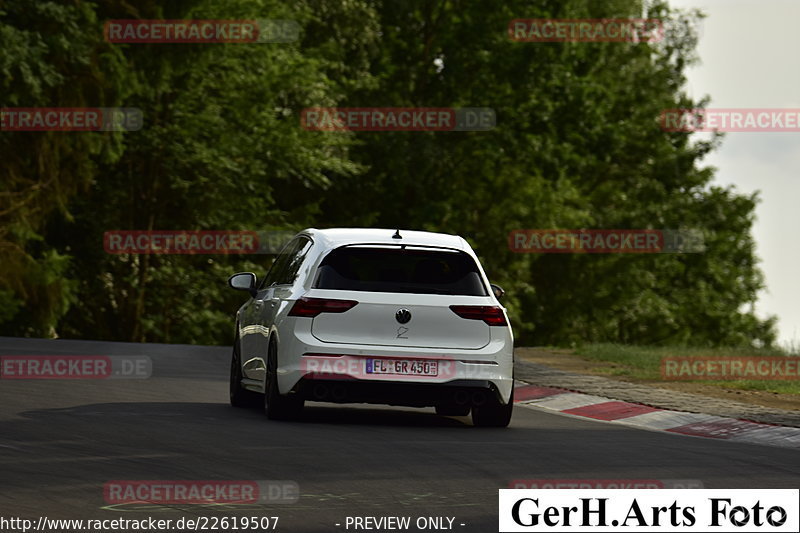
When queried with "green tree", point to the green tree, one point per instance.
{"points": [[577, 145], [47, 59], [221, 149]]}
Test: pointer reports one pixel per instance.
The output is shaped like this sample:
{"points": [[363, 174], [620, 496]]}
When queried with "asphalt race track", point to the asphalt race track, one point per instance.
{"points": [[62, 440]]}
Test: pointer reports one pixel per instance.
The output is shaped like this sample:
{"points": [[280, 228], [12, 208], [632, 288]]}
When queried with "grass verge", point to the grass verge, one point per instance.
{"points": [[644, 363]]}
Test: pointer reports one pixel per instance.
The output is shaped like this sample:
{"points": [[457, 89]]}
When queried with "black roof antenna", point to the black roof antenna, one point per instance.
{"points": [[397, 235]]}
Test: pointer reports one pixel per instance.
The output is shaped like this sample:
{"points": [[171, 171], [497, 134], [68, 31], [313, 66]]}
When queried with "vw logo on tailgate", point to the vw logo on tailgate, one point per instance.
{"points": [[403, 316]]}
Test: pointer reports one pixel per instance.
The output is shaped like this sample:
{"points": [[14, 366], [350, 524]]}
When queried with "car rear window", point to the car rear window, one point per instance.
{"points": [[400, 270]]}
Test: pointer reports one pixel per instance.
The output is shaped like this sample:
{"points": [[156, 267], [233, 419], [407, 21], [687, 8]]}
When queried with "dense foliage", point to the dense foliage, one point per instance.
{"points": [[577, 145]]}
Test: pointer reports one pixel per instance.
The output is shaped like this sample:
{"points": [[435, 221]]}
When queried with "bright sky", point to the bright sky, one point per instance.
{"points": [[750, 58]]}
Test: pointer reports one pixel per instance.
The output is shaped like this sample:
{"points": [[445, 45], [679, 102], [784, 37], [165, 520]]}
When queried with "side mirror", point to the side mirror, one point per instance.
{"points": [[498, 291], [243, 281]]}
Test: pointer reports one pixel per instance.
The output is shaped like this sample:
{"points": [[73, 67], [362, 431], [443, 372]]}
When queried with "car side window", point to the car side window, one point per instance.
{"points": [[279, 265], [296, 257]]}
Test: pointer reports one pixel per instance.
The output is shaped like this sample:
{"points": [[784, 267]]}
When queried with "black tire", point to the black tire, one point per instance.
{"points": [[239, 396], [493, 414], [276, 405], [452, 410]]}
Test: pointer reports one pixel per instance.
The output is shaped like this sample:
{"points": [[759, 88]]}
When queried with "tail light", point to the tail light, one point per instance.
{"points": [[490, 314], [311, 307]]}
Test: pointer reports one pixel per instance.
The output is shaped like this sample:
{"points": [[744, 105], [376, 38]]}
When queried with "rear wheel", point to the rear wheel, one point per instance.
{"points": [[493, 414], [277, 406], [239, 396]]}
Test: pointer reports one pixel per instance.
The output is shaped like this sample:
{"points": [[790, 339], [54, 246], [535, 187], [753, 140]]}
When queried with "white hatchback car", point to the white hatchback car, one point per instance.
{"points": [[374, 316]]}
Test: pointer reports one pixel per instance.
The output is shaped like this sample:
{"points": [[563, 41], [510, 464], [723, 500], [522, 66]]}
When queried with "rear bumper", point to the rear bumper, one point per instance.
{"points": [[299, 355], [461, 392]]}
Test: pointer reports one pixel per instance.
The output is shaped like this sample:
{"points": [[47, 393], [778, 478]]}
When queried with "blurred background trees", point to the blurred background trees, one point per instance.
{"points": [[577, 145]]}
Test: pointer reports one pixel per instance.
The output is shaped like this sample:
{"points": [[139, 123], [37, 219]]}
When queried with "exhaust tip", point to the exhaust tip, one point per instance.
{"points": [[339, 393], [320, 391], [478, 398], [461, 397]]}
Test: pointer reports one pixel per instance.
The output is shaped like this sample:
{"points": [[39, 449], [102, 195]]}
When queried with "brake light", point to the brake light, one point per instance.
{"points": [[311, 307], [490, 314]]}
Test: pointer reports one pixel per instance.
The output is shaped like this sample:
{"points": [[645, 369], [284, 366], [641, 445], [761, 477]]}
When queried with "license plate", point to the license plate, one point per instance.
{"points": [[403, 367]]}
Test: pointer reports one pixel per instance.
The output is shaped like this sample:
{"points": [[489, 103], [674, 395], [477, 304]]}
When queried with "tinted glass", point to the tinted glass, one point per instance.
{"points": [[279, 265], [398, 270], [296, 256]]}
